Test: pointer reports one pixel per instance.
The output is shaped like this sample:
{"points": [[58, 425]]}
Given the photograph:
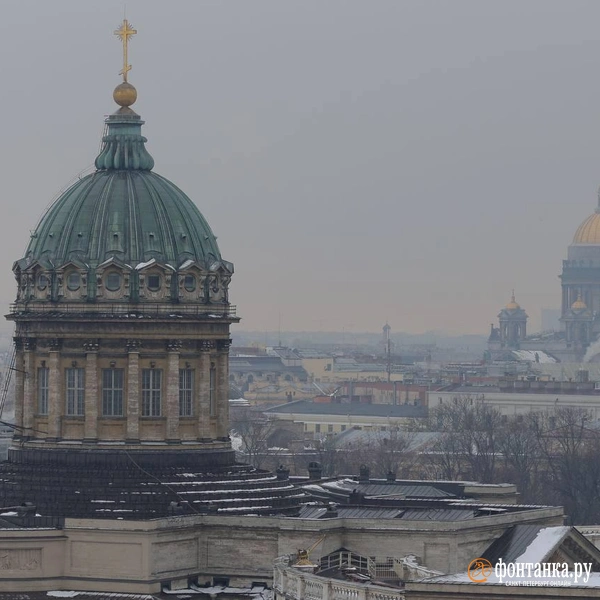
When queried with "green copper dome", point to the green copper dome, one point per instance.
{"points": [[123, 210]]}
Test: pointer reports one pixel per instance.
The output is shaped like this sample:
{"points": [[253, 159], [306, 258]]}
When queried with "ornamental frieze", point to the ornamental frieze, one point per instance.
{"points": [[17, 559], [91, 346], [223, 345], [54, 344], [174, 345], [133, 345]]}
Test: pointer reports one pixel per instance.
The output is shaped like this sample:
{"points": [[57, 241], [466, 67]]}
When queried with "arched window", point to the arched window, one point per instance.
{"points": [[113, 281], [73, 281], [42, 282], [153, 282], [189, 283]]}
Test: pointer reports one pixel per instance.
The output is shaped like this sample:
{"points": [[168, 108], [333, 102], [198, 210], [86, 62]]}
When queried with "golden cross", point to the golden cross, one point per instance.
{"points": [[124, 33]]}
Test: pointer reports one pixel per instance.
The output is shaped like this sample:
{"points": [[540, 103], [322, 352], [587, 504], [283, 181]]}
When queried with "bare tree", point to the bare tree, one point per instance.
{"points": [[382, 450], [570, 447], [444, 458], [522, 459], [470, 430], [390, 452], [254, 430]]}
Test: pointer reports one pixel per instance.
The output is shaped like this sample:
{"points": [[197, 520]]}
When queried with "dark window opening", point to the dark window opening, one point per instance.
{"points": [[189, 283], [153, 282], [113, 281], [42, 282], [73, 281]]}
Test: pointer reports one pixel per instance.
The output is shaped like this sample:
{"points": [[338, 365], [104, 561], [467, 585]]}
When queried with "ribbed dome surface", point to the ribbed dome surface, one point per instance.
{"points": [[134, 215], [589, 231], [123, 210]]}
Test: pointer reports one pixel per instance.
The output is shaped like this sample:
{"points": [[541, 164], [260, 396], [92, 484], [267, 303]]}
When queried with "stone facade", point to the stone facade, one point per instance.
{"points": [[142, 556], [91, 390]]}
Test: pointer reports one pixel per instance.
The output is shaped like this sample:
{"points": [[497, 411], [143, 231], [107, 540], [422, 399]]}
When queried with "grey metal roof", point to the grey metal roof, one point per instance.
{"points": [[363, 410], [351, 512], [512, 543], [373, 512], [437, 514], [250, 364], [414, 440], [391, 489]]}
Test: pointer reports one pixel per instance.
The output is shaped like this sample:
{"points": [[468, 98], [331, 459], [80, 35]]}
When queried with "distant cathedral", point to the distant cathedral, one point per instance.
{"points": [[580, 306]]}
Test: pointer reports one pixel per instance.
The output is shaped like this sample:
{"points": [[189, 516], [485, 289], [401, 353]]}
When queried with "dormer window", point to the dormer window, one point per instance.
{"points": [[189, 283], [153, 282], [113, 281], [42, 282], [73, 281]]}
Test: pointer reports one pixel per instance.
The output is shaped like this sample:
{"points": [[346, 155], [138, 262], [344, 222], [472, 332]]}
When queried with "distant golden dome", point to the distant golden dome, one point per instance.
{"points": [[589, 231], [512, 305], [125, 94], [579, 304]]}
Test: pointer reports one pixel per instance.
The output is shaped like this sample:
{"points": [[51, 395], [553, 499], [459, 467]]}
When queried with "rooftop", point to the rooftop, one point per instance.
{"points": [[305, 407]]}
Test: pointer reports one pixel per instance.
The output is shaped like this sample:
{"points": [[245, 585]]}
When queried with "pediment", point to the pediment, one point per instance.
{"points": [[75, 264], [113, 261], [221, 266], [153, 264], [24, 264]]}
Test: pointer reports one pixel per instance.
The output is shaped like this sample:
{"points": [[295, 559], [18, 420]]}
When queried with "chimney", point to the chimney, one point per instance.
{"points": [[356, 497], [315, 470], [283, 474], [363, 475]]}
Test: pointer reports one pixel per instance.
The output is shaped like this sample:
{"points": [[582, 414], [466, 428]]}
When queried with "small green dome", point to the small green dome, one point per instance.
{"points": [[123, 210]]}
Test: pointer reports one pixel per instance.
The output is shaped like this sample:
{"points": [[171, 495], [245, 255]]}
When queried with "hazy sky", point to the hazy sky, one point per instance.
{"points": [[358, 159]]}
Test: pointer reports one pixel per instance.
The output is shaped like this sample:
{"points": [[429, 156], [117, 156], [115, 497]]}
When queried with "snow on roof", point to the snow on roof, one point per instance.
{"points": [[543, 544], [538, 356], [239, 401], [538, 551], [256, 591], [186, 264], [143, 265]]}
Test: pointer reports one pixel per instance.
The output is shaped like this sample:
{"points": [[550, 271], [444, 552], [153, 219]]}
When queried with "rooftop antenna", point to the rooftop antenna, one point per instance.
{"points": [[388, 351], [279, 330]]}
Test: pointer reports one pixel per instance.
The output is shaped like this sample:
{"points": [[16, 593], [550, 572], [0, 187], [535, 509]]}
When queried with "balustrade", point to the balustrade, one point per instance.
{"points": [[293, 584]]}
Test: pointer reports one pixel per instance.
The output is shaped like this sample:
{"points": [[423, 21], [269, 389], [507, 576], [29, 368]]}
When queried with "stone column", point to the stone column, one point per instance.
{"points": [[202, 404], [92, 401], [29, 395], [133, 392], [56, 400], [172, 404], [222, 388], [19, 387]]}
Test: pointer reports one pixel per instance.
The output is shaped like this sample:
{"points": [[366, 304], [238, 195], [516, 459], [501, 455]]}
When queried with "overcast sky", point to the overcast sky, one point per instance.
{"points": [[358, 159]]}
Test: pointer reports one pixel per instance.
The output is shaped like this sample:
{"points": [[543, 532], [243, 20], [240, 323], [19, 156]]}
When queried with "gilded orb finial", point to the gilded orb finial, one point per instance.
{"points": [[125, 94]]}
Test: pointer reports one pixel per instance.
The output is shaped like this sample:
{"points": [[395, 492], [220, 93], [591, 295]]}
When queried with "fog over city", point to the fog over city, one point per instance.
{"points": [[358, 160]]}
